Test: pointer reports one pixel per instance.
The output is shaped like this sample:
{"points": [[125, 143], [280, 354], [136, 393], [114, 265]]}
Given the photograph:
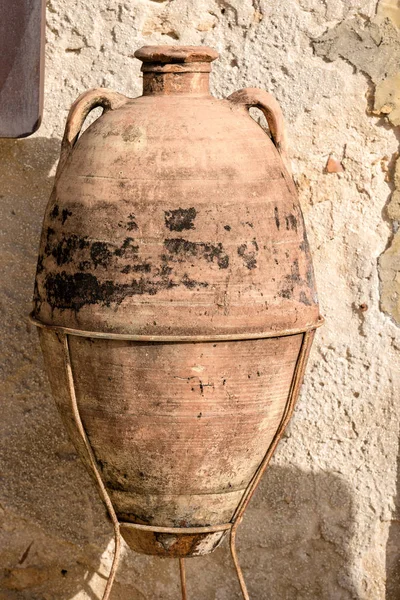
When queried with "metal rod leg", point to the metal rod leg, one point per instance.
{"points": [[294, 391], [182, 571], [239, 572], [92, 461]]}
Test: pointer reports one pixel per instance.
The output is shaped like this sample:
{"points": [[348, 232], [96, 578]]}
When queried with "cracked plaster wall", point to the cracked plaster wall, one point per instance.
{"points": [[372, 46], [323, 524]]}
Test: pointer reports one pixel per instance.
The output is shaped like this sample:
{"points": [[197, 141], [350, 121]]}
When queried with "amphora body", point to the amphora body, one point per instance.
{"points": [[175, 299]]}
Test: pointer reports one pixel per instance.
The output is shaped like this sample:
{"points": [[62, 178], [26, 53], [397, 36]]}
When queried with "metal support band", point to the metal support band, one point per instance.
{"points": [[188, 530], [174, 338]]}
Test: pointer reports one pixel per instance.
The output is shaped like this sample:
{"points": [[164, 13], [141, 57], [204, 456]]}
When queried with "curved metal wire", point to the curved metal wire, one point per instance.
{"points": [[92, 460], [175, 338], [182, 571], [184, 530], [239, 572], [288, 411]]}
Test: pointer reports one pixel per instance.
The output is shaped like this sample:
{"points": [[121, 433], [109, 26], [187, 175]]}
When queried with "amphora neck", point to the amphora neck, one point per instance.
{"points": [[176, 70]]}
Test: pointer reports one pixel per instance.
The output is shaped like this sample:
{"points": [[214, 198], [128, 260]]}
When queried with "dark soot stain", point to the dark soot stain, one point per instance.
{"points": [[100, 254], [64, 250], [65, 214], [183, 249], [65, 291], [180, 219], [248, 252]]}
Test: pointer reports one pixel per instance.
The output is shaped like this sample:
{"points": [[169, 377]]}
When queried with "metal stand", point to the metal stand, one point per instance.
{"points": [[182, 571], [238, 515]]}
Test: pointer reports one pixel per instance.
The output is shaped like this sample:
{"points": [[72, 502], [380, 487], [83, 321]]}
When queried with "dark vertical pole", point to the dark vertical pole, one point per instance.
{"points": [[22, 38]]}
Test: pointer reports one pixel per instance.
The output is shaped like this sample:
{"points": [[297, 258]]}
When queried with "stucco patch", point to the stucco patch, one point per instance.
{"points": [[387, 99], [391, 9], [389, 263], [373, 47]]}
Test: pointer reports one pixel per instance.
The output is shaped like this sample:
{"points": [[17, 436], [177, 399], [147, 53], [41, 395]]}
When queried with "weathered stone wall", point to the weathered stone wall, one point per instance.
{"points": [[324, 523]]}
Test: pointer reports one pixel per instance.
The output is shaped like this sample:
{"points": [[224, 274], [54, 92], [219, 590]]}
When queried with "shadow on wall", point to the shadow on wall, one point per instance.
{"points": [[294, 544], [52, 524], [393, 546], [294, 541]]}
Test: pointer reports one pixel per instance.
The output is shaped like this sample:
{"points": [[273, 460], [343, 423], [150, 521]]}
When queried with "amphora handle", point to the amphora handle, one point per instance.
{"points": [[79, 110], [255, 98]]}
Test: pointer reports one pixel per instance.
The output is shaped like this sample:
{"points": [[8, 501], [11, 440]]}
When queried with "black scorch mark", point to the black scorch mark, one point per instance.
{"points": [[295, 280], [276, 214], [65, 214], [79, 285], [128, 249], [63, 251], [304, 299], [192, 283], [182, 250], [144, 267], [165, 270], [65, 291], [291, 280], [100, 254], [55, 212], [85, 265], [248, 252], [291, 222], [310, 276], [180, 219], [87, 254], [39, 267], [131, 223]]}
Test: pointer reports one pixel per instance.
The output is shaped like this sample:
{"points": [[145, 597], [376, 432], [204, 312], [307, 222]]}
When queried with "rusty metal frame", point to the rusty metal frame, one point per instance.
{"points": [[182, 572], [232, 526], [177, 530], [174, 338]]}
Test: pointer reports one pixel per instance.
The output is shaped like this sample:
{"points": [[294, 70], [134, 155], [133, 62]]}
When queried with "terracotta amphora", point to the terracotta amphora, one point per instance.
{"points": [[175, 299]]}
